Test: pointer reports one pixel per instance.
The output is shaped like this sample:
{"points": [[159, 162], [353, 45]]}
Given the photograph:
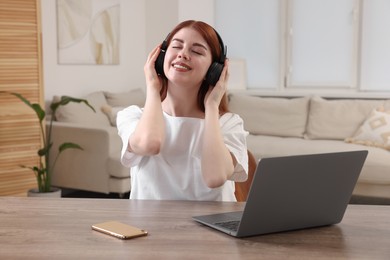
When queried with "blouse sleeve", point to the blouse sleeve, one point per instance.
{"points": [[126, 121], [234, 135]]}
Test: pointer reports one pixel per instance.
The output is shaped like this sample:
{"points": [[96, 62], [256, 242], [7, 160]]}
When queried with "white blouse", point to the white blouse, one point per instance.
{"points": [[175, 173]]}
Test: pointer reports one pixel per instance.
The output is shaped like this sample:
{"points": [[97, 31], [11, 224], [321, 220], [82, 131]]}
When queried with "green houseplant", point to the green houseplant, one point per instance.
{"points": [[43, 171]]}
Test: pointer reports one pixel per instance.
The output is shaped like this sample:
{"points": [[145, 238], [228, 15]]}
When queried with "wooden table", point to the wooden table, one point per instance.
{"points": [[32, 228]]}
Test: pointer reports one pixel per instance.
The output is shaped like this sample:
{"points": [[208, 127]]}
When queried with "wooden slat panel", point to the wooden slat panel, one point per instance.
{"points": [[20, 64], [16, 182]]}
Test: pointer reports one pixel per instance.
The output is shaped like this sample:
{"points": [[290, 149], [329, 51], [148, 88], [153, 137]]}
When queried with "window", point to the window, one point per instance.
{"points": [[315, 44], [251, 30], [375, 45], [321, 43]]}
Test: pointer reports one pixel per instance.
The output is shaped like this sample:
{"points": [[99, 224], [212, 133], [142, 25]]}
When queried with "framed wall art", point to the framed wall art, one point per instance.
{"points": [[88, 32]]}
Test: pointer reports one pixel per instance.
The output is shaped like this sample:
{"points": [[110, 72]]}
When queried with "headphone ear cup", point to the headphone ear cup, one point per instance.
{"points": [[214, 73], [159, 64]]}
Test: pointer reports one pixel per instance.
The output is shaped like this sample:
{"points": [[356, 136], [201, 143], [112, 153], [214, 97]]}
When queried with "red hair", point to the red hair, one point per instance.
{"points": [[211, 38]]}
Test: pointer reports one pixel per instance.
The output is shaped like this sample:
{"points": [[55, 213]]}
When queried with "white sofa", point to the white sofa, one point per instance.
{"points": [[280, 126], [97, 168]]}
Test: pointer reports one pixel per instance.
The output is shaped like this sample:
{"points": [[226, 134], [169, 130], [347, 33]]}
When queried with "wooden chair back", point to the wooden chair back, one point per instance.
{"points": [[242, 188]]}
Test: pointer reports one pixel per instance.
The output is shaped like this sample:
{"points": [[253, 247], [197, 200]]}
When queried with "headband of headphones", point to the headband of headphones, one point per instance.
{"points": [[223, 48]]}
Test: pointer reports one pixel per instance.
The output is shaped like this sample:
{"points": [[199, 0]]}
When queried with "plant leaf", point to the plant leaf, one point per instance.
{"points": [[24, 166], [42, 152], [65, 100], [45, 150], [36, 107], [65, 146]]}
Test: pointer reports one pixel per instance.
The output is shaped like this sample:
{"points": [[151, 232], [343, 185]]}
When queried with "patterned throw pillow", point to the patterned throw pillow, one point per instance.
{"points": [[375, 130]]}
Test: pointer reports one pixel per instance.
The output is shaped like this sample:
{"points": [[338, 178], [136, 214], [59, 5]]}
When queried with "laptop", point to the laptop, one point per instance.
{"points": [[293, 192]]}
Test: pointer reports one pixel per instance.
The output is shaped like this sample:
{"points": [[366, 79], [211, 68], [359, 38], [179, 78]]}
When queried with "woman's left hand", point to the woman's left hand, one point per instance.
{"points": [[217, 161], [214, 94]]}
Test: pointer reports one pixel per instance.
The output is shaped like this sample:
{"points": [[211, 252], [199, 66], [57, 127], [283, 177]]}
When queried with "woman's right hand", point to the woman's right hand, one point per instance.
{"points": [[152, 79], [149, 133]]}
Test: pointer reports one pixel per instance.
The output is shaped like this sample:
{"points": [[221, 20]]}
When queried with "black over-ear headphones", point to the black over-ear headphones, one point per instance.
{"points": [[214, 71]]}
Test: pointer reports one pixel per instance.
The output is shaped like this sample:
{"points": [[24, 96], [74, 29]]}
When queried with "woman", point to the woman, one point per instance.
{"points": [[184, 144]]}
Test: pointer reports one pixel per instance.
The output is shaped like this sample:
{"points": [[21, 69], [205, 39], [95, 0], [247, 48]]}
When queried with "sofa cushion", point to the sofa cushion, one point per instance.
{"points": [[337, 119], [271, 116], [375, 131], [115, 167], [125, 99], [387, 104], [375, 169], [80, 113], [111, 113]]}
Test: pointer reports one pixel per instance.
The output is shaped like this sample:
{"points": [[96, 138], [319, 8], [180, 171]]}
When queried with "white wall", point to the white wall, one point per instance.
{"points": [[78, 80], [160, 18], [203, 10], [143, 25]]}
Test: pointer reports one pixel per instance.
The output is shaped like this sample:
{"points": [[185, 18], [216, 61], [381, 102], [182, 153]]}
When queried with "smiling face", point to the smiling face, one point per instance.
{"points": [[187, 58]]}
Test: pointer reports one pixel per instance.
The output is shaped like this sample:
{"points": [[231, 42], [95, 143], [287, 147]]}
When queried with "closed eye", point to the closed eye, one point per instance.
{"points": [[196, 52]]}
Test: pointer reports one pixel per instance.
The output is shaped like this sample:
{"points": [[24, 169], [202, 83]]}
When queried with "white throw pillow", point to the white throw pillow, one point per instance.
{"points": [[125, 99], [271, 116], [81, 113], [111, 113], [339, 118], [375, 131], [387, 104]]}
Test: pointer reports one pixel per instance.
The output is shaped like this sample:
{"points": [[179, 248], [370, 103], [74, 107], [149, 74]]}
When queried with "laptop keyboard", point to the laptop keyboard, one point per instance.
{"points": [[231, 225]]}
